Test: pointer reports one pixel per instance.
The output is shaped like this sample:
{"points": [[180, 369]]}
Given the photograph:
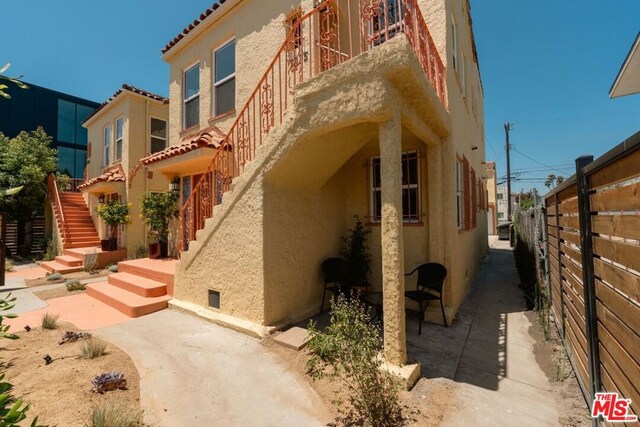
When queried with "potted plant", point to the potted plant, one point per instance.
{"points": [[356, 251], [157, 210], [113, 213]]}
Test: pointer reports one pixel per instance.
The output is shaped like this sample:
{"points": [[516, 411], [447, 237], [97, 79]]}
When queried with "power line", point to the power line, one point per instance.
{"points": [[534, 160]]}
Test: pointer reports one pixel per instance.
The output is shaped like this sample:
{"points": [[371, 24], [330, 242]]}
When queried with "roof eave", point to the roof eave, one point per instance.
{"points": [[635, 50], [222, 10]]}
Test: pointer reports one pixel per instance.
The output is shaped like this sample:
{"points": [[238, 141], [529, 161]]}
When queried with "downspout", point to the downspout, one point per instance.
{"points": [[147, 119]]}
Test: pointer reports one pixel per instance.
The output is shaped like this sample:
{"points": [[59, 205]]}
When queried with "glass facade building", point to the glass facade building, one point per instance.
{"points": [[59, 114]]}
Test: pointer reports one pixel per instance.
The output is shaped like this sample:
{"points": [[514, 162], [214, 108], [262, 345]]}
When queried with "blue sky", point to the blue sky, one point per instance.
{"points": [[547, 66]]}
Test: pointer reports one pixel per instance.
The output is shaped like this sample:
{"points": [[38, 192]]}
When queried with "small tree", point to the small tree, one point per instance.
{"points": [[348, 350], [157, 210], [356, 251], [114, 213]]}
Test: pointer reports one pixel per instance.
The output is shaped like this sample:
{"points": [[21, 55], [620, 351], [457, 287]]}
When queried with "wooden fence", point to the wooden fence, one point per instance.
{"points": [[593, 229]]}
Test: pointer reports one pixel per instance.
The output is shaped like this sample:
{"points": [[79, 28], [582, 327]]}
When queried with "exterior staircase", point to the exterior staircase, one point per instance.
{"points": [[80, 229], [64, 264], [140, 287]]}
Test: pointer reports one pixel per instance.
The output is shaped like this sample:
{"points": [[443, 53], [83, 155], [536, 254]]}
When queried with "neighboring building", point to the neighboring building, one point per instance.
{"points": [[501, 199], [129, 126], [628, 80], [492, 205], [60, 115], [379, 113]]}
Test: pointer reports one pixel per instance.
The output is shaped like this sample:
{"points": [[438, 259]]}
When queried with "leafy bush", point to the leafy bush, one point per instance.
{"points": [[54, 276], [92, 348], [11, 411], [348, 351], [109, 381], [52, 250], [115, 414], [157, 210], [49, 321], [114, 213], [75, 285], [63, 182], [356, 251], [142, 251]]}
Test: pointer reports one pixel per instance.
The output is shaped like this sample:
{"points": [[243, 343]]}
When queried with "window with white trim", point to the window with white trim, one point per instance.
{"points": [[224, 79], [460, 193], [191, 106], [106, 144], [119, 137], [410, 188], [158, 135]]}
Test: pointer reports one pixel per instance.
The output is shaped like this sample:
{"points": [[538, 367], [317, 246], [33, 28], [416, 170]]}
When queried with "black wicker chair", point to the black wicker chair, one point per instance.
{"points": [[429, 288]]}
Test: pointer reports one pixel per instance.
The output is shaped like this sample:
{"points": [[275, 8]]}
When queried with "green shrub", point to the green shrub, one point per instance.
{"points": [[356, 251], [49, 321], [115, 414], [54, 276], [92, 348], [348, 351], [142, 251], [75, 285], [114, 213], [52, 250]]}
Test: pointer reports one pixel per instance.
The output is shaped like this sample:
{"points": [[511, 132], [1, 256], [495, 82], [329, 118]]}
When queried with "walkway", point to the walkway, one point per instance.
{"points": [[194, 373], [488, 353]]}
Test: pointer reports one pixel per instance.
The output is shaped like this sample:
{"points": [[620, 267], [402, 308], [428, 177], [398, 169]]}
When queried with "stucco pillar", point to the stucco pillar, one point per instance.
{"points": [[395, 343]]}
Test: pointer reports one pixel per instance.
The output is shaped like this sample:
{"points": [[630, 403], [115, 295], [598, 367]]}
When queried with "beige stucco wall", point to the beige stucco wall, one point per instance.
{"points": [[263, 247], [137, 112]]}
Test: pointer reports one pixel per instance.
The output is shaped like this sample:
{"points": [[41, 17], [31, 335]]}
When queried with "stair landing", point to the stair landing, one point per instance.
{"points": [[140, 287], [73, 260]]}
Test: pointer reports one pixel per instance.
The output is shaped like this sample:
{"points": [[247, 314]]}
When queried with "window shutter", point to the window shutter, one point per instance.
{"points": [[467, 190], [474, 199]]}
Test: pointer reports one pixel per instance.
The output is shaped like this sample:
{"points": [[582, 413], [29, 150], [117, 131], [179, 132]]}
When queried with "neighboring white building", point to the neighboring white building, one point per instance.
{"points": [[501, 200]]}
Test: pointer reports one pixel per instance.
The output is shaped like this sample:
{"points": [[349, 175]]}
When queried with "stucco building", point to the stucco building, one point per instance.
{"points": [[127, 127], [288, 118]]}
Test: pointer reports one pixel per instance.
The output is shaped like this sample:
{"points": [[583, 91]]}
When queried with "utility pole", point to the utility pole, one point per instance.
{"points": [[507, 128]]}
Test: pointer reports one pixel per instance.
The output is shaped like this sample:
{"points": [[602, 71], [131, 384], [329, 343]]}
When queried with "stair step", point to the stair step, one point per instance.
{"points": [[69, 261], [56, 267], [159, 271], [126, 302], [74, 245], [137, 284]]}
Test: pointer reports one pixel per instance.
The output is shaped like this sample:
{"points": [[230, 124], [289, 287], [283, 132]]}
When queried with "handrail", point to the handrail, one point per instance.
{"points": [[53, 191], [313, 45]]}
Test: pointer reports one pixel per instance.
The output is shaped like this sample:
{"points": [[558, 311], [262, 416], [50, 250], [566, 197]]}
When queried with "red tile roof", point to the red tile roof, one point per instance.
{"points": [[130, 89], [193, 25], [210, 137], [113, 174]]}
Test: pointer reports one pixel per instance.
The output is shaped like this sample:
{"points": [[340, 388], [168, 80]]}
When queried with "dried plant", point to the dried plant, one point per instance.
{"points": [[71, 336], [92, 348], [109, 381], [49, 321], [115, 414], [75, 285], [91, 261]]}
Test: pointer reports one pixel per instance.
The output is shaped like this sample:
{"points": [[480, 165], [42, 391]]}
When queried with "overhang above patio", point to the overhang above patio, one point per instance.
{"points": [[191, 156], [111, 181]]}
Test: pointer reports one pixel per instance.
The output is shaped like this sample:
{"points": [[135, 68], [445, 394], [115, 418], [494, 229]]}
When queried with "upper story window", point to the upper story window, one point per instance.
{"points": [[224, 84], [463, 76], [410, 188], [119, 137], [191, 84], [158, 135], [106, 144]]}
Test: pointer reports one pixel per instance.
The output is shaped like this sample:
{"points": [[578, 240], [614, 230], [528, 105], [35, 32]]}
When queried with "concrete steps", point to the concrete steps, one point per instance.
{"points": [[81, 230], [58, 267], [140, 287], [126, 302]]}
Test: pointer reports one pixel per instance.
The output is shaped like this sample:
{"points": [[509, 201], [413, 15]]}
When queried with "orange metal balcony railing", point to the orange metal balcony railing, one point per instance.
{"points": [[332, 33]]}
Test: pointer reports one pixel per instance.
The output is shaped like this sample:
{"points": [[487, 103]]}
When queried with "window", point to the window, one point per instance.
{"points": [[474, 200], [460, 193], [192, 96], [158, 135], [82, 112], [119, 131], [454, 43], [106, 152], [225, 78], [500, 215], [66, 121], [499, 196], [410, 188]]}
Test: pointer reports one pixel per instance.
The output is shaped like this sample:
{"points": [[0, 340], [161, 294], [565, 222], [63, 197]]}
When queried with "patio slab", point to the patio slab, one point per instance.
{"points": [[295, 338]]}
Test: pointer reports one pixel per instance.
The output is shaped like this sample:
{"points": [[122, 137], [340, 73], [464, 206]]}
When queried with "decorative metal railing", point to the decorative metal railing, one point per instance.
{"points": [[332, 33], [52, 187]]}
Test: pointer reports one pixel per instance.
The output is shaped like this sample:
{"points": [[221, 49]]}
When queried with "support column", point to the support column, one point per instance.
{"points": [[395, 340]]}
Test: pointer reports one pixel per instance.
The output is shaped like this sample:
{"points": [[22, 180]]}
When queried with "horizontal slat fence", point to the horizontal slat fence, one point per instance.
{"points": [[595, 292]]}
